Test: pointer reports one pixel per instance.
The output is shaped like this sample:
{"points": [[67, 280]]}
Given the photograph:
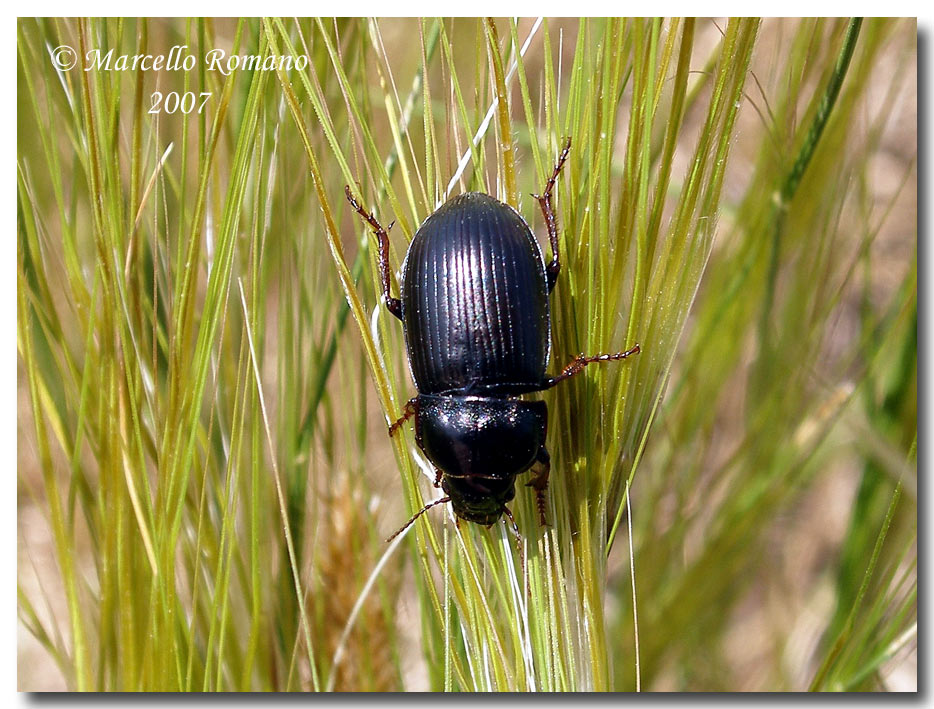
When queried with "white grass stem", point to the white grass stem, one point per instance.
{"points": [[632, 575], [520, 606]]}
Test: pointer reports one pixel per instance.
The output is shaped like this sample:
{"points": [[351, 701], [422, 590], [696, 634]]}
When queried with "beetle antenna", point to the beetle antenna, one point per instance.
{"points": [[419, 514]]}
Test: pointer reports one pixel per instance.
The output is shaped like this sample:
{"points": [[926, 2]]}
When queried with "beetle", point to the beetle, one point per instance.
{"points": [[475, 311]]}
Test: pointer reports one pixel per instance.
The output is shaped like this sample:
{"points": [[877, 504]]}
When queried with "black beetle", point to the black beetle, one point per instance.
{"points": [[475, 312]]}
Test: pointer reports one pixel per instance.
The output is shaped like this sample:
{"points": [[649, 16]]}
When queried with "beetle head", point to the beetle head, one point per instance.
{"points": [[480, 500]]}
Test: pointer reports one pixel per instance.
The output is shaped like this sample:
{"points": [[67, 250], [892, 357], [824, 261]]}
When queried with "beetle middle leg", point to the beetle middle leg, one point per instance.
{"points": [[394, 305], [408, 411], [540, 483], [581, 361], [544, 201]]}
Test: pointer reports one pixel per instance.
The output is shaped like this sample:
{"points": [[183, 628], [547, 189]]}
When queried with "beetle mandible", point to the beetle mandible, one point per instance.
{"points": [[475, 312]]}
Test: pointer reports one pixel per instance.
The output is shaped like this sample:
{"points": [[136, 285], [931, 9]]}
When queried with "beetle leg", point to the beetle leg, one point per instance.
{"points": [[515, 529], [408, 411], [394, 305], [544, 201], [438, 475], [540, 483], [581, 361]]}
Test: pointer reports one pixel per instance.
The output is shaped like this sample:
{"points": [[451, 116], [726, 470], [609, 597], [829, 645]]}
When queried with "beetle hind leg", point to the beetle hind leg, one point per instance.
{"points": [[394, 305], [540, 483]]}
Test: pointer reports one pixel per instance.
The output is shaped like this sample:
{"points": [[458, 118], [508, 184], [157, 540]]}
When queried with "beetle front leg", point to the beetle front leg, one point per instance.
{"points": [[544, 201], [540, 483], [394, 305], [581, 361]]}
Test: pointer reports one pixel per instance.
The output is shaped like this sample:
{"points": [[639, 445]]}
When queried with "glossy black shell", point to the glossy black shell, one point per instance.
{"points": [[475, 301]]}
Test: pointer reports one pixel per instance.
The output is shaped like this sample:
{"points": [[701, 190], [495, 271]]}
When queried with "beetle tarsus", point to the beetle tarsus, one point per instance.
{"points": [[551, 221], [581, 361]]}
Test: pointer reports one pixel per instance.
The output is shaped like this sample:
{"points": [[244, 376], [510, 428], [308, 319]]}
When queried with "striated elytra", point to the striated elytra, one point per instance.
{"points": [[475, 300], [474, 308]]}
